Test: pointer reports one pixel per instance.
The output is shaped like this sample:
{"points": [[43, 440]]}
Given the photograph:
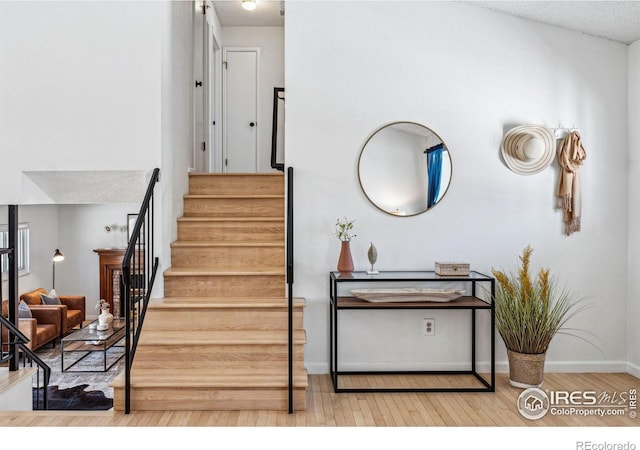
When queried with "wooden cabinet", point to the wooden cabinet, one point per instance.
{"points": [[110, 264]]}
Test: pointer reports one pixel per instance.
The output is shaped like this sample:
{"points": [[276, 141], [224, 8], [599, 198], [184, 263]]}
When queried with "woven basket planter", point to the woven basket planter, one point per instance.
{"points": [[526, 370]]}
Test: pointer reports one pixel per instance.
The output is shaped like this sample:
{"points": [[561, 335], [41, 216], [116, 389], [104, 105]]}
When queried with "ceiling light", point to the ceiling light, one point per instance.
{"points": [[249, 5]]}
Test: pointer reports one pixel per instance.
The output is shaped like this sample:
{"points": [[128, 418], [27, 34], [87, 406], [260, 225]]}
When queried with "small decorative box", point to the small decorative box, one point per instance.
{"points": [[452, 268]]}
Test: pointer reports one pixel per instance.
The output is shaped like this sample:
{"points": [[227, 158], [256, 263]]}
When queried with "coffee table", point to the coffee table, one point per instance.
{"points": [[91, 340]]}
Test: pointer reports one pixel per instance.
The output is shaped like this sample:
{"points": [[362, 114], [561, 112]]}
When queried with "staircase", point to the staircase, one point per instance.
{"points": [[218, 340]]}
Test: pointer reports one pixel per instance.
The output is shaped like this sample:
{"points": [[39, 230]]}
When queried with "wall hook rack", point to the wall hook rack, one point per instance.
{"points": [[561, 131]]}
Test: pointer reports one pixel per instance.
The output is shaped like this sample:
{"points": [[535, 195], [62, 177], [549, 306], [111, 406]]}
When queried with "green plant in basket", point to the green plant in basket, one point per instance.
{"points": [[529, 313]]}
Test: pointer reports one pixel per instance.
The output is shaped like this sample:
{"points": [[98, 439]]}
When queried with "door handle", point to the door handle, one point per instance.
{"points": [[251, 124]]}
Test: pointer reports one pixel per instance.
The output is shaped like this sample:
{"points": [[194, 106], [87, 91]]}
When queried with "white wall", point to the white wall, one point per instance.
{"points": [[270, 40], [633, 312], [469, 74], [81, 231], [43, 240], [80, 88], [98, 86], [177, 124]]}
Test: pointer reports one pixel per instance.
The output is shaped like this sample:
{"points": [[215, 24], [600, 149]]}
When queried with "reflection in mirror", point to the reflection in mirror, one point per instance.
{"points": [[404, 168]]}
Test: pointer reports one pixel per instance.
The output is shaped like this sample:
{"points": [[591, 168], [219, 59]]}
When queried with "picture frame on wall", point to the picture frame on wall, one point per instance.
{"points": [[131, 223]]}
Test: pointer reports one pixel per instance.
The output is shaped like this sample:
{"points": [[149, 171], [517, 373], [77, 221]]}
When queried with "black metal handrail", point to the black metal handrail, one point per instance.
{"points": [[16, 340], [274, 130], [290, 279], [139, 268]]}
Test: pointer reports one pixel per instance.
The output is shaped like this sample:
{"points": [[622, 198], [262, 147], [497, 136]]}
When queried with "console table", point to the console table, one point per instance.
{"points": [[470, 303]]}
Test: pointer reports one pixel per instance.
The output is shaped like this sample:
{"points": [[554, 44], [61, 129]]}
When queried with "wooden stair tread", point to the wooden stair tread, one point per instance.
{"points": [[236, 174], [205, 244], [205, 378], [223, 302], [232, 196], [230, 219], [220, 337], [203, 271]]}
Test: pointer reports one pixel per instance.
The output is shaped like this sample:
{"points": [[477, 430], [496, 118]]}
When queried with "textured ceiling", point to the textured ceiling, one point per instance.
{"points": [[96, 187], [615, 20]]}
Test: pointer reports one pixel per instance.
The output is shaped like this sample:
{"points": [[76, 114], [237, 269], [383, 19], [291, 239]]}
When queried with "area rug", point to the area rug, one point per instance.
{"points": [[96, 381], [75, 398]]}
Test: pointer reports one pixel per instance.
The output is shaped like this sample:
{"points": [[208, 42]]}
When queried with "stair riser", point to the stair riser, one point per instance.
{"points": [[219, 358], [209, 399], [233, 258], [233, 207], [218, 367], [198, 319], [236, 184], [268, 231], [225, 286]]}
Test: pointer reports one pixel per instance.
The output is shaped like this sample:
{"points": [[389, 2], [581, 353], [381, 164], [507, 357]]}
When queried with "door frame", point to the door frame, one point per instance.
{"points": [[225, 50], [213, 101], [200, 91]]}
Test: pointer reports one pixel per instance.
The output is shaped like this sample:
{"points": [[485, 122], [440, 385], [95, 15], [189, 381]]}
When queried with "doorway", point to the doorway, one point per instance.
{"points": [[240, 109]]}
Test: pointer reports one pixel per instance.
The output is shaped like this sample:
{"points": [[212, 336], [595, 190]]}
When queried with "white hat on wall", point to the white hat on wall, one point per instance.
{"points": [[528, 149]]}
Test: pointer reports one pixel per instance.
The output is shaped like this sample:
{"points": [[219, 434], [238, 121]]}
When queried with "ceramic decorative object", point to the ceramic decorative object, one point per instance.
{"points": [[372, 254], [345, 261], [344, 232], [105, 319]]}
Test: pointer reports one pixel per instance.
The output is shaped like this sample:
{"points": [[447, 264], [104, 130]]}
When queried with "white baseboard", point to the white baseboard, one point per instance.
{"points": [[586, 366], [633, 369], [319, 368]]}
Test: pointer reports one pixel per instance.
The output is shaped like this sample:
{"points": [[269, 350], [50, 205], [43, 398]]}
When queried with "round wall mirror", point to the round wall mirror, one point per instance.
{"points": [[404, 168]]}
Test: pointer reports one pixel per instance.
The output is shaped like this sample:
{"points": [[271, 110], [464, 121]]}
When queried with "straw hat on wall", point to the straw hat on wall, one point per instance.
{"points": [[528, 149]]}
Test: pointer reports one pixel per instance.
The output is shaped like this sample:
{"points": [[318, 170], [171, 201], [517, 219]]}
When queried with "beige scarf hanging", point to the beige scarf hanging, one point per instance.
{"points": [[571, 155]]}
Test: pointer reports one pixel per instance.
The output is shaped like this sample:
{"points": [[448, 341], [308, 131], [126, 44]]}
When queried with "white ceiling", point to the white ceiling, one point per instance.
{"points": [[266, 14], [615, 20]]}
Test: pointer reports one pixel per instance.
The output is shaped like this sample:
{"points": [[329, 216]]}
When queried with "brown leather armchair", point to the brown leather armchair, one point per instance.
{"points": [[42, 328], [72, 308]]}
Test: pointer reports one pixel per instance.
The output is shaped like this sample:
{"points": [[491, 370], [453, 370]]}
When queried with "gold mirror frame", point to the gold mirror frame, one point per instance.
{"points": [[404, 191]]}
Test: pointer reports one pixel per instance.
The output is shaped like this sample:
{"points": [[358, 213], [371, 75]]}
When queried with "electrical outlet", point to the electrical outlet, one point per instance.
{"points": [[429, 327]]}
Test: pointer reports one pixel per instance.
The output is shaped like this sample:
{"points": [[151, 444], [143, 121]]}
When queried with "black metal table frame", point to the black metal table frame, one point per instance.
{"points": [[102, 347], [333, 330]]}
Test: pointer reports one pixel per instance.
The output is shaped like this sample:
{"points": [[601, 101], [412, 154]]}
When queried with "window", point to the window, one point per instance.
{"points": [[22, 247]]}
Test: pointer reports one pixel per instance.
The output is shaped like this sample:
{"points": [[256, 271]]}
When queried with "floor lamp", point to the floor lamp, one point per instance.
{"points": [[57, 257]]}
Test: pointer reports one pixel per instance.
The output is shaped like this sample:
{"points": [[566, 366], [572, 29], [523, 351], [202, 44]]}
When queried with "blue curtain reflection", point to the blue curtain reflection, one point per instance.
{"points": [[434, 170]]}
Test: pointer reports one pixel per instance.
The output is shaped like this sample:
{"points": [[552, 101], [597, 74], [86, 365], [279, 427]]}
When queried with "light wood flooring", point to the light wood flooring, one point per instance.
{"points": [[328, 409]]}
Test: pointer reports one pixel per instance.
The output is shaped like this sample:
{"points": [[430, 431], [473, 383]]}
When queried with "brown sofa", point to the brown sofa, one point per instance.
{"points": [[42, 328], [72, 308]]}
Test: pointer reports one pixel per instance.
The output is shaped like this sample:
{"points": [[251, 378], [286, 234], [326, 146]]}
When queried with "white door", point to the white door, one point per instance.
{"points": [[240, 110]]}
